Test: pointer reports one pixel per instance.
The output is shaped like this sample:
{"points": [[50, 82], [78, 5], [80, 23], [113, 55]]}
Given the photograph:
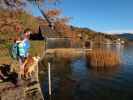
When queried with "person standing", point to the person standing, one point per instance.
{"points": [[24, 46]]}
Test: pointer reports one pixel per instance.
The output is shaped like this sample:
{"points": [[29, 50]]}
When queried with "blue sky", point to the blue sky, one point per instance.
{"points": [[99, 15]]}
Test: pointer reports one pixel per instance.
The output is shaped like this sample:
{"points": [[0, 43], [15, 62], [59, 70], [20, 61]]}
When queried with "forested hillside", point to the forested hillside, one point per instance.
{"points": [[14, 22]]}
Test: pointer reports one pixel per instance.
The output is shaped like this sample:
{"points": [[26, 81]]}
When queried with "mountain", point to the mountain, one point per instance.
{"points": [[128, 36]]}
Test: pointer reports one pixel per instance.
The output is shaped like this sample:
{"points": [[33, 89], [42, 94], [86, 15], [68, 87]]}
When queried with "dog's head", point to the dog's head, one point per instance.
{"points": [[32, 60], [36, 59]]}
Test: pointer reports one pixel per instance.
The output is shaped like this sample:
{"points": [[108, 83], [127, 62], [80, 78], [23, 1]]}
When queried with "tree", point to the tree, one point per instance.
{"points": [[15, 22], [19, 4]]}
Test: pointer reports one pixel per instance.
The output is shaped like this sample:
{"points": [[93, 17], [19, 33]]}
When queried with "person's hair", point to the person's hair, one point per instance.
{"points": [[27, 30]]}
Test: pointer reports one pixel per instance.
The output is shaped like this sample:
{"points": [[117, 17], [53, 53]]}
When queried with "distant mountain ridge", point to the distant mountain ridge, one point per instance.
{"points": [[128, 36]]}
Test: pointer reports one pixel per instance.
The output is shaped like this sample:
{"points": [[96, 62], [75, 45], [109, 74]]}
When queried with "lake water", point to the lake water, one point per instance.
{"points": [[76, 81]]}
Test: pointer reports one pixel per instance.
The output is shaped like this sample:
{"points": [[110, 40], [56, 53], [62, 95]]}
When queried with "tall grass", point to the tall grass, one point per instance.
{"points": [[66, 53], [37, 48], [63, 55], [102, 58]]}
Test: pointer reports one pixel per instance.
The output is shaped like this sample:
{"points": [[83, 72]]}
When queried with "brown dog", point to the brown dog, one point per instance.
{"points": [[30, 66]]}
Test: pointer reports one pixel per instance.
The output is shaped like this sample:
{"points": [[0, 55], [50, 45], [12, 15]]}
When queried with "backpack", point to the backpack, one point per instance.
{"points": [[14, 51]]}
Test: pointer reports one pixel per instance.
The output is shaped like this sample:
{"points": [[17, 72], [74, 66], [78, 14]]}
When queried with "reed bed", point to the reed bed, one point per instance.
{"points": [[67, 53], [102, 58], [63, 55]]}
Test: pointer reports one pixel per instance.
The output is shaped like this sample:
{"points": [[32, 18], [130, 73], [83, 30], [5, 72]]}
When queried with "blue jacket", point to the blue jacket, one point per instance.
{"points": [[24, 48]]}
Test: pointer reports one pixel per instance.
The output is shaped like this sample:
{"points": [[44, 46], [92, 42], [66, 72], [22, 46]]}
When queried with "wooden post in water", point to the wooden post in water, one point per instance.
{"points": [[49, 78]]}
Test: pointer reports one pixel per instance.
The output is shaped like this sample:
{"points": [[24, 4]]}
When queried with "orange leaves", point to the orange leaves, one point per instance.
{"points": [[53, 13]]}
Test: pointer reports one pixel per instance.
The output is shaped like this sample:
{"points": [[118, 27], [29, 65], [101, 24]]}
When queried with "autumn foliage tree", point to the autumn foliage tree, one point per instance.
{"points": [[14, 22], [18, 21], [14, 5], [61, 24]]}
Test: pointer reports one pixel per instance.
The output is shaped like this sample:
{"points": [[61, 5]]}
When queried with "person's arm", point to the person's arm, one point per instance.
{"points": [[26, 47]]}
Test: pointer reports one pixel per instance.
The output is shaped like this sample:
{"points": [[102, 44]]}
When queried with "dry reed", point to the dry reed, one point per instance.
{"points": [[67, 53], [63, 55], [102, 58]]}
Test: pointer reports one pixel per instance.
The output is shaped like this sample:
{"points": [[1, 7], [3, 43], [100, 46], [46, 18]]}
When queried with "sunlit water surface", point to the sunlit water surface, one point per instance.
{"points": [[76, 81]]}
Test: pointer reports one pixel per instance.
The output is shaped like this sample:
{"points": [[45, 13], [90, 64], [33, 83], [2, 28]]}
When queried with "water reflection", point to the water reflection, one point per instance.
{"points": [[73, 80]]}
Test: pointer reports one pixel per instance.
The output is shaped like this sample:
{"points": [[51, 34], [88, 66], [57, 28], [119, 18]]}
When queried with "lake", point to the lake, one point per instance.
{"points": [[76, 81]]}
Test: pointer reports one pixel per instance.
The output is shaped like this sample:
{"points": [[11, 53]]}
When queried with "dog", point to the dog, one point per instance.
{"points": [[24, 67], [6, 74], [30, 67]]}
